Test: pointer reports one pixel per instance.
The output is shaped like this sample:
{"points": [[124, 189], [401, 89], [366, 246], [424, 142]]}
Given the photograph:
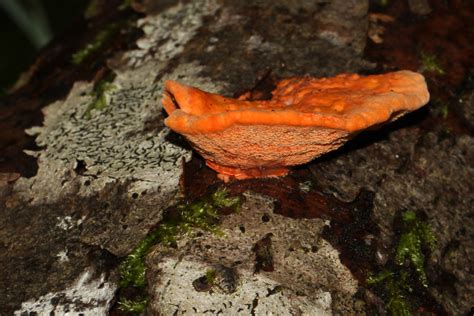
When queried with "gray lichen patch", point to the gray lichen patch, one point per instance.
{"points": [[167, 33], [125, 140], [299, 253], [86, 296], [176, 295], [105, 178], [112, 144]]}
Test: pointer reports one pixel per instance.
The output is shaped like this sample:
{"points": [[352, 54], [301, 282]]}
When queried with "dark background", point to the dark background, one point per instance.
{"points": [[17, 49]]}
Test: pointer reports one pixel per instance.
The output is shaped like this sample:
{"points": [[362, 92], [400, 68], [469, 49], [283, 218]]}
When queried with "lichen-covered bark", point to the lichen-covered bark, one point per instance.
{"points": [[118, 167], [106, 175], [294, 247]]}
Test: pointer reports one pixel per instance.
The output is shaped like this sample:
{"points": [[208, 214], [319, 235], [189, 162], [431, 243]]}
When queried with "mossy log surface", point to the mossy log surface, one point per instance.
{"points": [[88, 170]]}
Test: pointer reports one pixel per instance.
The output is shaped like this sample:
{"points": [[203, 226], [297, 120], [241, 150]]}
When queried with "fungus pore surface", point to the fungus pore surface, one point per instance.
{"points": [[305, 118]]}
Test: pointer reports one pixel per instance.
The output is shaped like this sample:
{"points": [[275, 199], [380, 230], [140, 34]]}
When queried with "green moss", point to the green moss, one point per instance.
{"points": [[415, 235], [383, 3], [445, 110], [398, 280], [439, 108], [398, 306], [221, 199], [430, 63], [201, 214], [132, 269], [125, 4], [99, 94], [374, 279], [397, 285], [210, 276], [136, 306], [101, 38], [92, 9], [442, 108]]}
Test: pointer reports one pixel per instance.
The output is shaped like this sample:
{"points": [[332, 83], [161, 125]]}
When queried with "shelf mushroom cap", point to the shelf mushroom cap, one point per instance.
{"points": [[305, 118]]}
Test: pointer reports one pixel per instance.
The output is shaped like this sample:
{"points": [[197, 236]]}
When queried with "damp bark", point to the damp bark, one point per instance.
{"points": [[96, 177]]}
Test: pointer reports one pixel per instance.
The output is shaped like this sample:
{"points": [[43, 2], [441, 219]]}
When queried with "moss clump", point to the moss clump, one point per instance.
{"points": [[398, 288], [206, 282], [99, 94], [125, 4], [415, 234], [397, 279], [210, 276], [430, 63], [444, 110], [132, 269], [440, 108], [92, 9], [100, 39], [201, 214], [136, 306]]}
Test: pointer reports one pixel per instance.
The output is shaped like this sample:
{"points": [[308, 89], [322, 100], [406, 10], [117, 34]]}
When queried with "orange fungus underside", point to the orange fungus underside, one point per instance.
{"points": [[305, 118]]}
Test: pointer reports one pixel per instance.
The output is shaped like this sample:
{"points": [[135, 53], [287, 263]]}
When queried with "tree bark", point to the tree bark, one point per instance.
{"points": [[101, 170]]}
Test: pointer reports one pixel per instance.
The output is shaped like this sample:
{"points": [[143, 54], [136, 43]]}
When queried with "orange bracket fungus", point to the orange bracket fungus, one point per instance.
{"points": [[305, 118]]}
